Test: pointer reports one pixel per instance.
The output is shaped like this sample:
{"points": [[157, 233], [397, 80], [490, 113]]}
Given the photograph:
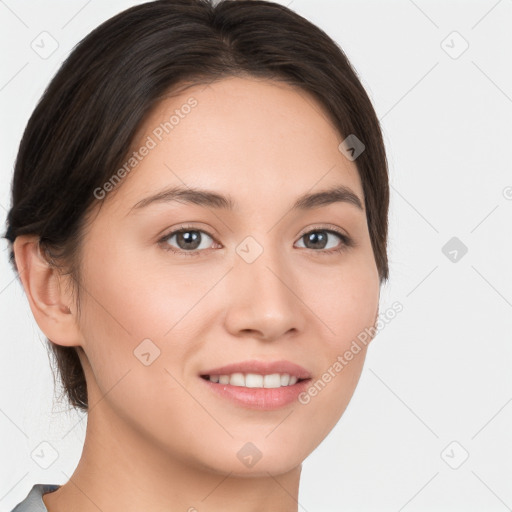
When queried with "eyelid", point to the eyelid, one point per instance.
{"points": [[325, 227]]}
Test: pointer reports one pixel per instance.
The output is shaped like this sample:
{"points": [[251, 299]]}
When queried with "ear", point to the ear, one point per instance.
{"points": [[51, 305]]}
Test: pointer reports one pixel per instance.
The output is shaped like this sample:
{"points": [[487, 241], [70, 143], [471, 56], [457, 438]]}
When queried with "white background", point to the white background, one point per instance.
{"points": [[437, 373]]}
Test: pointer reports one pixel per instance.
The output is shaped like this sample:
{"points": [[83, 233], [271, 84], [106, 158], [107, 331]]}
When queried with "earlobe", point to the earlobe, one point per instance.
{"points": [[44, 291]]}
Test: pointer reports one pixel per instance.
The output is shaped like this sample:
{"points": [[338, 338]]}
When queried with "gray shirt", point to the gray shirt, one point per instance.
{"points": [[34, 500]]}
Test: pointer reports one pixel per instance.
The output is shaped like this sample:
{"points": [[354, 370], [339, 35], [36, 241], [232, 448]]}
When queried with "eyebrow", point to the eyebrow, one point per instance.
{"points": [[210, 199]]}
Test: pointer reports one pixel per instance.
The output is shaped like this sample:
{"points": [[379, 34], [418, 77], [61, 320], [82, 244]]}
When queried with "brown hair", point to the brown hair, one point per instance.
{"points": [[83, 126]]}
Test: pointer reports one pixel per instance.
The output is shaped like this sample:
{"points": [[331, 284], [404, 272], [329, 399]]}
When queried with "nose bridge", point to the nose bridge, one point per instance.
{"points": [[264, 264], [262, 290]]}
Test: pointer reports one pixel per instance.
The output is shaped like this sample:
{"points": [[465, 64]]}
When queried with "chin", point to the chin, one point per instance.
{"points": [[256, 458]]}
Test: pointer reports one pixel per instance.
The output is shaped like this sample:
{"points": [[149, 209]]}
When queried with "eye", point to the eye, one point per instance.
{"points": [[318, 239], [188, 240], [192, 242]]}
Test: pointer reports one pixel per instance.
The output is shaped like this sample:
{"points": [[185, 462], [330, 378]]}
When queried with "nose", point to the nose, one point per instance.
{"points": [[265, 298]]}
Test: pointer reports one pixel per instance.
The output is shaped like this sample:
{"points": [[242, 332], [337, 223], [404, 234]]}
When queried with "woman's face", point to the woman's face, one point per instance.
{"points": [[261, 280]]}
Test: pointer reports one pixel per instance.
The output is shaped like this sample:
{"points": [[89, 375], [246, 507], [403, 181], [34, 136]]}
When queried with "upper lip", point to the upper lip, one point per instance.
{"points": [[261, 367]]}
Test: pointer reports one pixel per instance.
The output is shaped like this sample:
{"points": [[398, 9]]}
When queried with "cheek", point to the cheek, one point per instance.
{"points": [[135, 306], [347, 311], [139, 295], [345, 303]]}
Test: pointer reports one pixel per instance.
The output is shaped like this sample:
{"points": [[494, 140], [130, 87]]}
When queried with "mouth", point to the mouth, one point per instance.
{"points": [[255, 380], [261, 385], [258, 374]]}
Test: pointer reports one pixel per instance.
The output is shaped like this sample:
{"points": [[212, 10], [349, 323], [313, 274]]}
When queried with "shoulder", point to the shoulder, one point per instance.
{"points": [[34, 499]]}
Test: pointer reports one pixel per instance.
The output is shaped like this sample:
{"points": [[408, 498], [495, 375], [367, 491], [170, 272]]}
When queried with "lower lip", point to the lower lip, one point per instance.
{"points": [[265, 399]]}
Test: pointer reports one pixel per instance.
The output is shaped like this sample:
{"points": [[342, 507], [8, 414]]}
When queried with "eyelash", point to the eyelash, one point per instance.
{"points": [[346, 242]]}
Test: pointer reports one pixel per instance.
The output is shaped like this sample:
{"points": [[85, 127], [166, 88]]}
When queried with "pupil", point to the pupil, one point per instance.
{"points": [[315, 238], [188, 238]]}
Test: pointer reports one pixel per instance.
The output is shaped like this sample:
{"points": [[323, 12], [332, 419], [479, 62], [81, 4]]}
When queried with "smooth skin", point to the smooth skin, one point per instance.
{"points": [[157, 437]]}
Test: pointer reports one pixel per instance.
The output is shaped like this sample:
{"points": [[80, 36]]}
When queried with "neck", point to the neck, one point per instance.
{"points": [[122, 470]]}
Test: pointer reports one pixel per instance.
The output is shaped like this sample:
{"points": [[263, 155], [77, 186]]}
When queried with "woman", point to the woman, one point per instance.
{"points": [[199, 222]]}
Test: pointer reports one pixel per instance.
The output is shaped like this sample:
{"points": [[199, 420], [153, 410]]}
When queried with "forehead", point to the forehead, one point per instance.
{"points": [[261, 140]]}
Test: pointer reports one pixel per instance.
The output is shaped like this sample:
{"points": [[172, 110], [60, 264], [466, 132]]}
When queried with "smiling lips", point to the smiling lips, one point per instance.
{"points": [[255, 369], [255, 384]]}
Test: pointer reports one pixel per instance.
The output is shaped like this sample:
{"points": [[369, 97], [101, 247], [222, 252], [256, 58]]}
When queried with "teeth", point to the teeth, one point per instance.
{"points": [[237, 379], [254, 380]]}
